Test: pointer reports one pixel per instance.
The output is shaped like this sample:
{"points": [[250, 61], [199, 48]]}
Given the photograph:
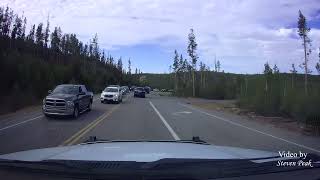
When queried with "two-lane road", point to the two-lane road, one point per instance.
{"points": [[151, 118]]}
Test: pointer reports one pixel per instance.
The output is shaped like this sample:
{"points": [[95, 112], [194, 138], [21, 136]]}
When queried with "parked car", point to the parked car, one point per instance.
{"points": [[67, 99], [139, 92], [111, 94], [147, 89]]}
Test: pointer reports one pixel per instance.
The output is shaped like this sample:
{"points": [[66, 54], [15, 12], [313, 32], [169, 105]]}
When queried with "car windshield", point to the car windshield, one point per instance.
{"points": [[66, 90], [238, 78], [109, 89]]}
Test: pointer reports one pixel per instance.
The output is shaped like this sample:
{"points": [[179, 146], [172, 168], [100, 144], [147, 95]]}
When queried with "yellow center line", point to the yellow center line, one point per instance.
{"points": [[92, 126], [73, 139], [83, 129]]}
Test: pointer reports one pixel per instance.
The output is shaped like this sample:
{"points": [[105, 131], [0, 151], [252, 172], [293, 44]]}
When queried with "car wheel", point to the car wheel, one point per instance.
{"points": [[76, 112], [89, 106]]}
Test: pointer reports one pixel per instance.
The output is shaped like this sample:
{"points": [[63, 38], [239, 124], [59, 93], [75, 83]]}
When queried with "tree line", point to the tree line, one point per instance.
{"points": [[33, 62], [270, 93]]}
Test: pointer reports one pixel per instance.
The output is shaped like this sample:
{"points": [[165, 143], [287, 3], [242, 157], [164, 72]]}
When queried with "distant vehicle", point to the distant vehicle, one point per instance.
{"points": [[67, 99], [132, 88], [156, 90], [170, 90], [147, 89], [163, 90], [139, 92], [114, 86], [111, 94], [125, 89]]}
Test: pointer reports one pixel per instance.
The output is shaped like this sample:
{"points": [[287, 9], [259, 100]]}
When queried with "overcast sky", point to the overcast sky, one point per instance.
{"points": [[243, 34]]}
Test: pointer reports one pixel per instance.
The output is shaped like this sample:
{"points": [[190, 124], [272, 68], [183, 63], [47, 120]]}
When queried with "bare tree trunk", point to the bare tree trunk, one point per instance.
{"points": [[201, 80], [305, 67], [193, 87], [292, 81], [175, 82], [204, 79], [285, 89], [246, 87]]}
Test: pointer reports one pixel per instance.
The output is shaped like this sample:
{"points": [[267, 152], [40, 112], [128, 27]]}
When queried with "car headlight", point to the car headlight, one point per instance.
{"points": [[116, 95], [70, 103]]}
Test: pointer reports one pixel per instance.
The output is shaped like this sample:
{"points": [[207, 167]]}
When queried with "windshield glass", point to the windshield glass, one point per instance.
{"points": [[108, 89], [66, 90], [242, 76]]}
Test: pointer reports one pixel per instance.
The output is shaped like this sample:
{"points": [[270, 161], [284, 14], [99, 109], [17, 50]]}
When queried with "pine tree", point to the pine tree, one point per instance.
{"points": [[293, 72], [129, 66], [303, 31], [39, 35], [6, 22], [46, 34], [103, 58], [55, 39], [192, 47], [275, 69], [318, 63], [23, 35], [267, 71], [119, 64], [17, 28], [31, 35], [175, 67], [95, 47], [218, 66]]}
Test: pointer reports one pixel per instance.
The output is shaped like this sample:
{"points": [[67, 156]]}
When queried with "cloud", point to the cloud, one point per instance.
{"points": [[241, 33]]}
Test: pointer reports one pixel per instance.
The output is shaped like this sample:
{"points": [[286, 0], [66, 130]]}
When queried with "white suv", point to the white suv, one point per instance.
{"points": [[111, 94]]}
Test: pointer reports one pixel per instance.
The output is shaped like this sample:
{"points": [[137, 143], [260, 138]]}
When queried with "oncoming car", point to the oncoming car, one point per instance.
{"points": [[111, 94], [139, 92], [67, 99]]}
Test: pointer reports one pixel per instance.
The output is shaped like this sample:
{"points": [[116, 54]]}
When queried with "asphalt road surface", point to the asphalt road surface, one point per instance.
{"points": [[152, 118]]}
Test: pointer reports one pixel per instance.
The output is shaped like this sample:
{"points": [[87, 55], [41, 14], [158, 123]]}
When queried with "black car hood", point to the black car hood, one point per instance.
{"points": [[61, 96]]}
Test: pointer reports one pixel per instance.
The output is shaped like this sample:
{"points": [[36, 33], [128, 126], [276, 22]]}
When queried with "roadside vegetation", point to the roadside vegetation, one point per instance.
{"points": [[33, 62], [270, 93]]}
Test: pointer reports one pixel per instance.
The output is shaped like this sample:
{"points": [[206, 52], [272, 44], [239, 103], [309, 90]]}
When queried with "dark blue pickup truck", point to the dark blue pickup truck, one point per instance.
{"points": [[67, 99]]}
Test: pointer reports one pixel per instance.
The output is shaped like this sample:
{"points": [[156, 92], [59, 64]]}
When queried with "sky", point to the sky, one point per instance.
{"points": [[242, 34]]}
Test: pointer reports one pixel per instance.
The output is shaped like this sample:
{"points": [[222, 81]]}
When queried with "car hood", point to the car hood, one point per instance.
{"points": [[109, 93], [137, 151], [62, 96]]}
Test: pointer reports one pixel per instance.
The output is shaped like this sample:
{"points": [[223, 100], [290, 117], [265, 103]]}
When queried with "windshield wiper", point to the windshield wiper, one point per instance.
{"points": [[94, 140]]}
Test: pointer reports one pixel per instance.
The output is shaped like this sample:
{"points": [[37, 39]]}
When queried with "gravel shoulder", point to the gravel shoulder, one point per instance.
{"points": [[229, 106]]}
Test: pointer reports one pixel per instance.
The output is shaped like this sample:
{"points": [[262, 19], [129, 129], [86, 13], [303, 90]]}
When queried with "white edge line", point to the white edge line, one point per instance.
{"points": [[175, 136], [13, 125], [257, 131]]}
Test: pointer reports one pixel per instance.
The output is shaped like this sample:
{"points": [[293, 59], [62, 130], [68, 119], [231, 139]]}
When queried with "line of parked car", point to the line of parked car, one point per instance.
{"points": [[71, 99]]}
